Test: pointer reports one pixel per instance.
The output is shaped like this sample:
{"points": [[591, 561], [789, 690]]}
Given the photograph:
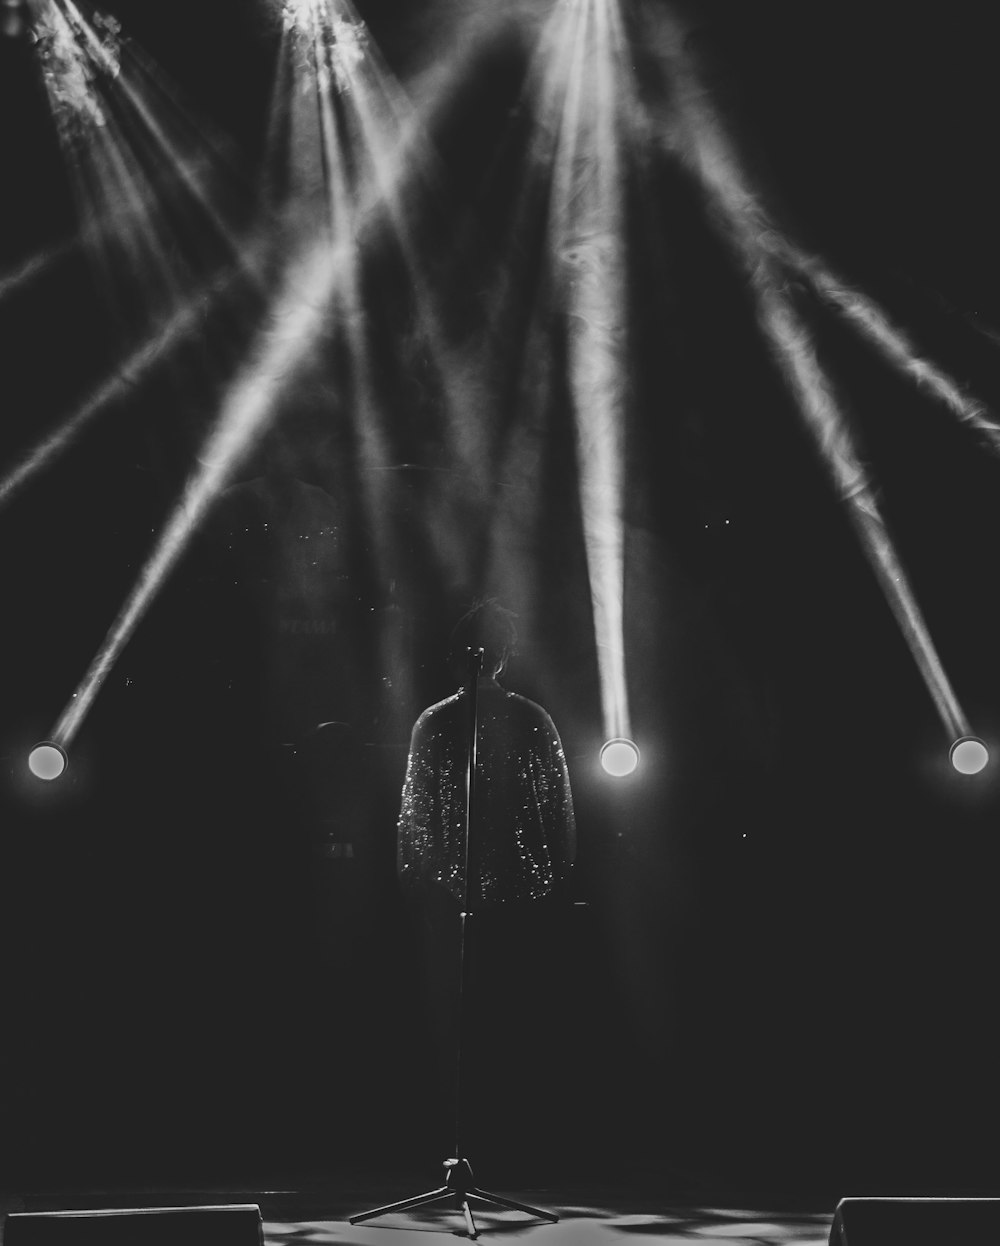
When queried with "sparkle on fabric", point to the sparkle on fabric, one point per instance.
{"points": [[524, 832]]}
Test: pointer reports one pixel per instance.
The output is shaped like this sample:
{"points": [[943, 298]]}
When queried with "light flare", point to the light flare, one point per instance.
{"points": [[72, 70], [139, 167]]}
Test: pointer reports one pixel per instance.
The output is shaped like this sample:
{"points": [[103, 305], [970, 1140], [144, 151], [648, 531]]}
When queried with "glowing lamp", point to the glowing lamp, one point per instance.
{"points": [[47, 760], [619, 757], [969, 755]]}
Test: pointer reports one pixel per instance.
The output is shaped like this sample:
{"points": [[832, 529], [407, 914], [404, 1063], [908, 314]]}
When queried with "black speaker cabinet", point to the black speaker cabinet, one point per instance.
{"points": [[236, 1225], [916, 1222]]}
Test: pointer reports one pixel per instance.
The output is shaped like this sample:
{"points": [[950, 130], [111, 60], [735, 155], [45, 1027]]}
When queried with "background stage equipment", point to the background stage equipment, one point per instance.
{"points": [[916, 1222], [235, 1225]]}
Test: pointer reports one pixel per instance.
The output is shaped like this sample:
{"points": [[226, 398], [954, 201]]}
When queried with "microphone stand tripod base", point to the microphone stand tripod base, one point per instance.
{"points": [[459, 1184]]}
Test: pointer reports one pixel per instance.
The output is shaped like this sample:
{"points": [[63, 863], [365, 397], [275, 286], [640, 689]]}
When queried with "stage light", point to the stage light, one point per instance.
{"points": [[47, 760], [969, 755], [620, 757]]}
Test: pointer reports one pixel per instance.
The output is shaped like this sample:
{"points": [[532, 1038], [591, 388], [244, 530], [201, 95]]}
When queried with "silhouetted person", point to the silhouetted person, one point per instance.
{"points": [[522, 850], [524, 831]]}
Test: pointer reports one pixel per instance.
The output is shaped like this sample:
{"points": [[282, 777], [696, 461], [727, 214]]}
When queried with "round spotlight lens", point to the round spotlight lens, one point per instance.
{"points": [[47, 761], [619, 757], [969, 755]]}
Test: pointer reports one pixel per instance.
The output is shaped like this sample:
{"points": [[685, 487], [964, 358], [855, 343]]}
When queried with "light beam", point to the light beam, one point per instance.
{"points": [[702, 143], [139, 167], [875, 325], [297, 319], [157, 348], [32, 268], [588, 84]]}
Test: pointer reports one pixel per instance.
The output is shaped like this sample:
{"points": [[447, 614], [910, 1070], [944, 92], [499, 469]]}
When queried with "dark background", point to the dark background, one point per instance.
{"points": [[783, 978]]}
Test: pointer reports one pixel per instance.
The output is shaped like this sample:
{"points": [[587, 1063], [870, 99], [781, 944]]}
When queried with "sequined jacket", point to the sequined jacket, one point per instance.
{"points": [[524, 831]]}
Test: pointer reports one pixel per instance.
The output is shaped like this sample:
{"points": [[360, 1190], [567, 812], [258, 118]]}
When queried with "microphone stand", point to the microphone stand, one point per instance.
{"points": [[459, 1183]]}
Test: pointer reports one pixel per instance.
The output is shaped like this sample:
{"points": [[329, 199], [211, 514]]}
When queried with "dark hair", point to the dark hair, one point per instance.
{"points": [[488, 626]]}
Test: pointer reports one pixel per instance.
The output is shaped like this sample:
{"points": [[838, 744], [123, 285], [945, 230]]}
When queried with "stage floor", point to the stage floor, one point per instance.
{"points": [[581, 1223], [294, 1217]]}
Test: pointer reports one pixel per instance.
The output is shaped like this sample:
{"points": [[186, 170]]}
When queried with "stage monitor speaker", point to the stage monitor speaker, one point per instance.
{"points": [[235, 1225], [916, 1222]]}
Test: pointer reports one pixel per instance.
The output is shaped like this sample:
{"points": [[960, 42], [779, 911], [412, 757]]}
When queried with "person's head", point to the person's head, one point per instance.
{"points": [[487, 626]]}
